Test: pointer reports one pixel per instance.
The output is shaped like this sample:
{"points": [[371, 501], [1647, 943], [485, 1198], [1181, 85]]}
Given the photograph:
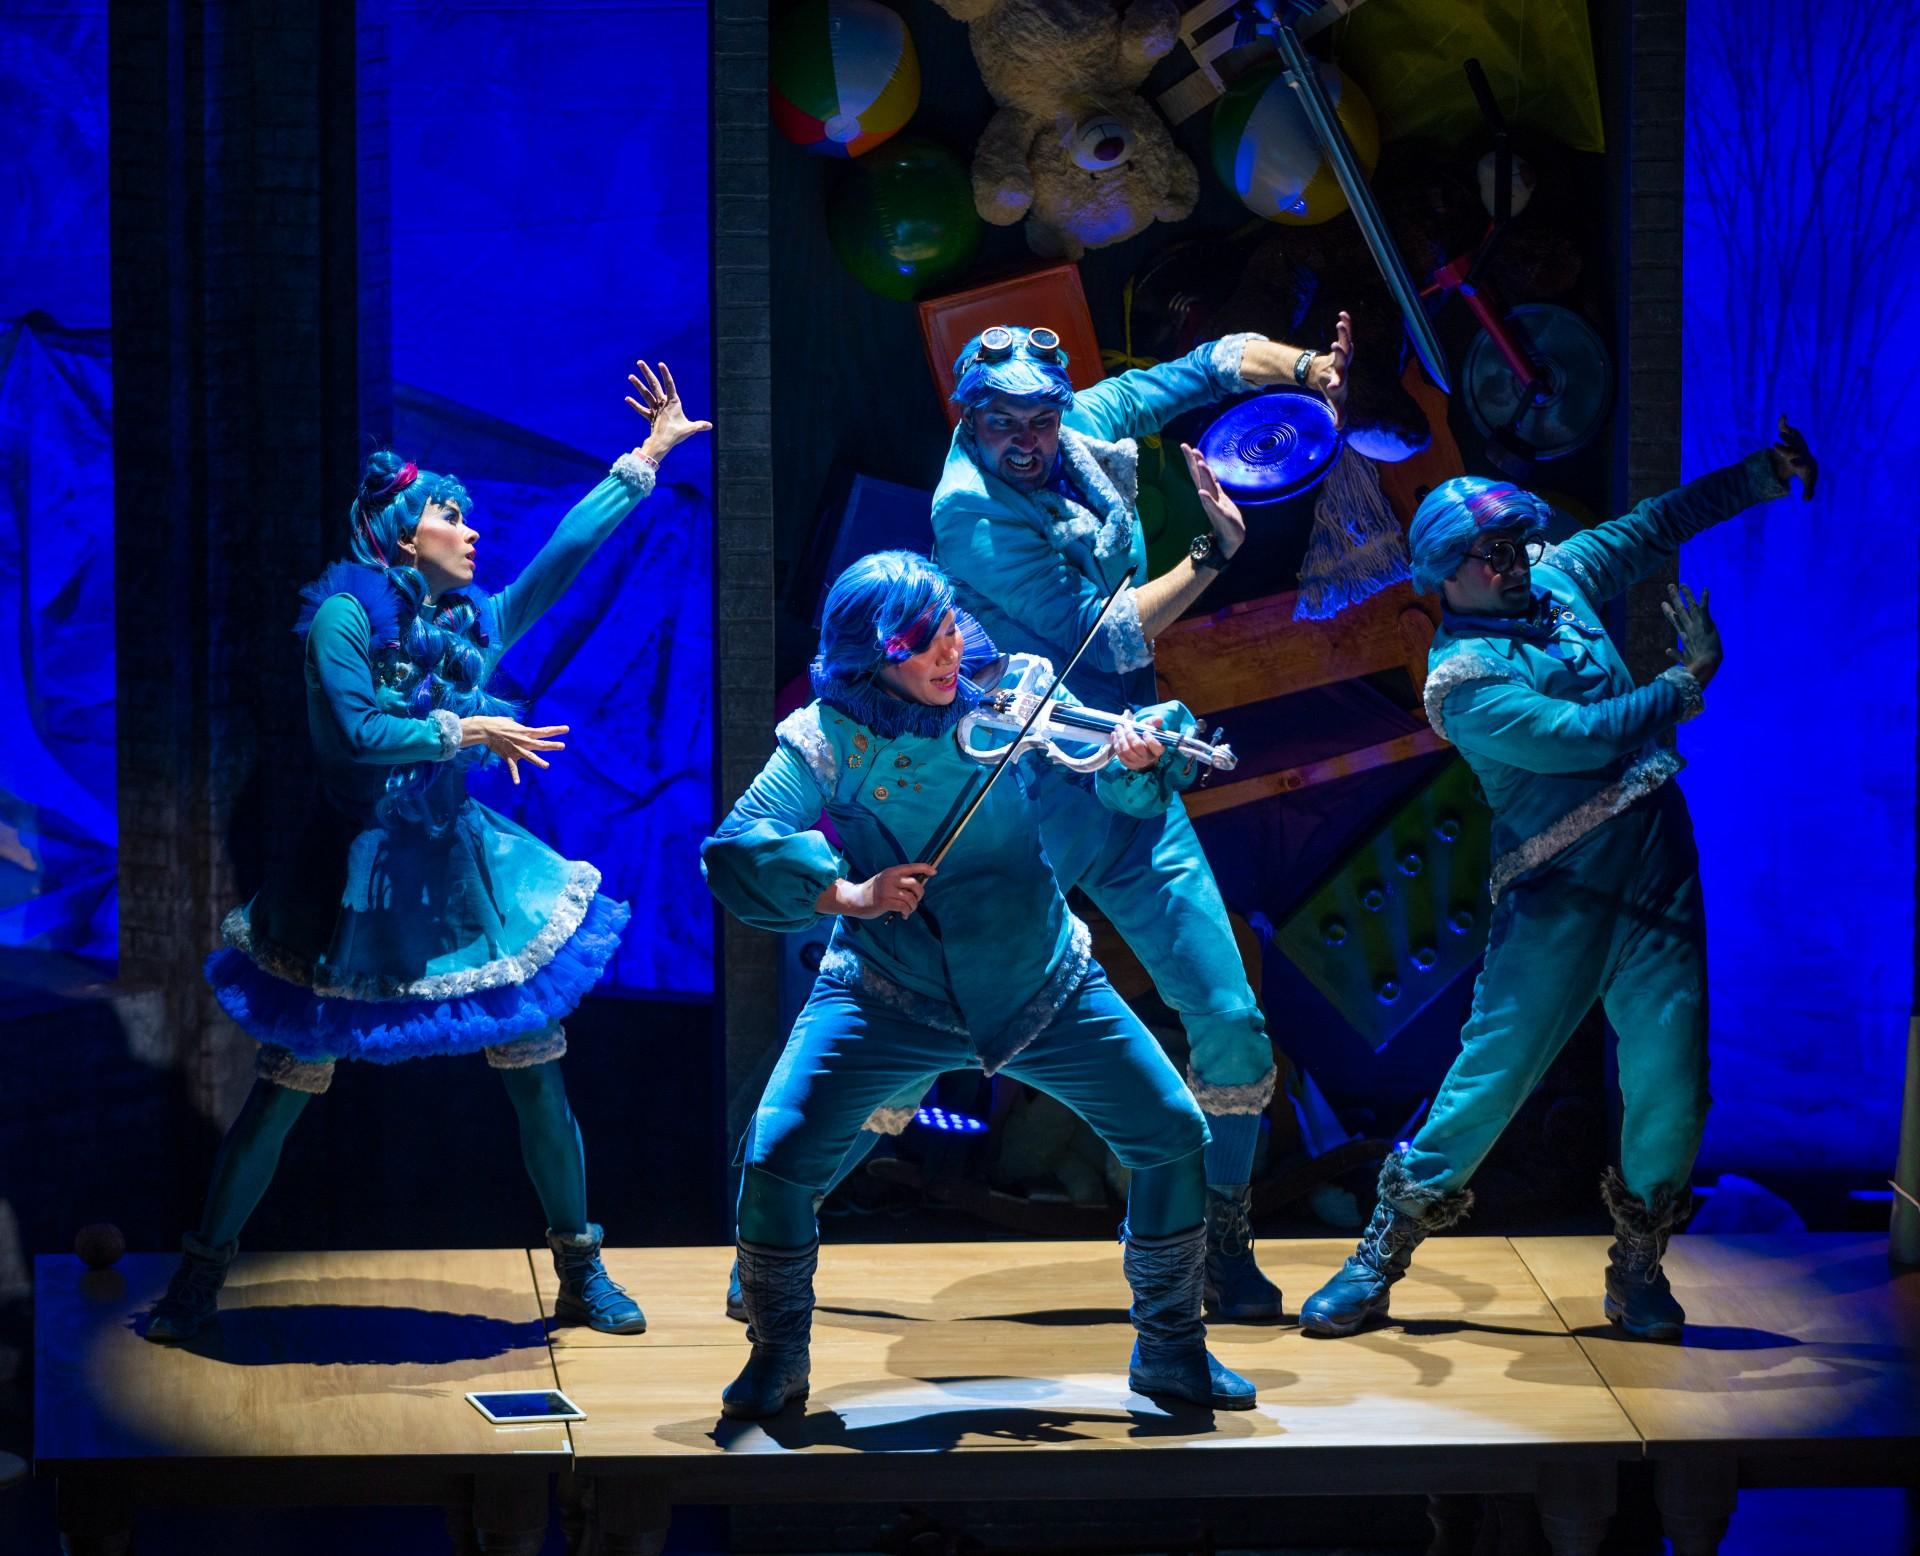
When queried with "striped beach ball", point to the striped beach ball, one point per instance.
{"points": [[1265, 151], [844, 76]]}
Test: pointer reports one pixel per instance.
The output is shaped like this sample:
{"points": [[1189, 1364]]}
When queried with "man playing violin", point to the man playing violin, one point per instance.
{"points": [[971, 963], [1035, 520]]}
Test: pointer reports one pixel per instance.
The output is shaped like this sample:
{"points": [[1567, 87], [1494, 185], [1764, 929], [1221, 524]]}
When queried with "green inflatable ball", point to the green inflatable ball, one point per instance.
{"points": [[902, 217]]}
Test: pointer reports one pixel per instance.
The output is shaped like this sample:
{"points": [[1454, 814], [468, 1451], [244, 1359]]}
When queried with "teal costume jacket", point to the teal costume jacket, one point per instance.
{"points": [[993, 951], [1035, 567], [1544, 710]]}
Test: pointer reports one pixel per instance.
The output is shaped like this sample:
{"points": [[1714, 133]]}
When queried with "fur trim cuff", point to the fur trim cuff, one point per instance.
{"points": [[800, 733], [1252, 1097], [1456, 671], [889, 1121], [1637, 1217], [1126, 636], [588, 1241], [1693, 700], [1225, 359], [446, 724], [1435, 1209], [635, 472], [279, 1067], [541, 1048], [1637, 781]]}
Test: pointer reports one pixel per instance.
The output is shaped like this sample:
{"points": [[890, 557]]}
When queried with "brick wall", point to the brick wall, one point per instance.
{"points": [[236, 389]]}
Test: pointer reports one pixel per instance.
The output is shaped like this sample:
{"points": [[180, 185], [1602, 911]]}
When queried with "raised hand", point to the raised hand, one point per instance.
{"points": [[1329, 371], [1223, 513], [1699, 651], [1791, 457], [512, 740], [658, 400]]}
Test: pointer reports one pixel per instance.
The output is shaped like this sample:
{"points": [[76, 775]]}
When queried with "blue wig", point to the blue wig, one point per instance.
{"points": [[884, 608], [1025, 374], [1454, 512]]}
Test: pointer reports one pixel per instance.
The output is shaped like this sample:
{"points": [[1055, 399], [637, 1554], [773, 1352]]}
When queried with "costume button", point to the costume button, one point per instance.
{"points": [[880, 793], [860, 742], [853, 760], [903, 761]]}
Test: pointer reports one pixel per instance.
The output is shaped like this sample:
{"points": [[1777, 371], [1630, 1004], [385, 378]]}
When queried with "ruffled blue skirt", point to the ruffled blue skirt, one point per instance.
{"points": [[314, 1026]]}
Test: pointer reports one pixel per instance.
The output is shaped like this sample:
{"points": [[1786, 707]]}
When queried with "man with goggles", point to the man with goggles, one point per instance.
{"points": [[1034, 520], [1595, 882]]}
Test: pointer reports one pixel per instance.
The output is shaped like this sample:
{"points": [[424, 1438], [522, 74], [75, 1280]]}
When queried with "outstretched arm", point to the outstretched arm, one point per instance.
{"points": [[1612, 557], [585, 529], [1138, 403]]}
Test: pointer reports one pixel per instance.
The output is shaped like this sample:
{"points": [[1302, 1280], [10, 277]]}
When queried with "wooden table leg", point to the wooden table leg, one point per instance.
{"points": [[1696, 1499], [1576, 1503], [630, 1516], [510, 1514], [94, 1519]]}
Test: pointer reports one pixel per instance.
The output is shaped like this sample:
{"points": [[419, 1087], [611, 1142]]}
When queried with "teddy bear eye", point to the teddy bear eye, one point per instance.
{"points": [[1102, 143]]}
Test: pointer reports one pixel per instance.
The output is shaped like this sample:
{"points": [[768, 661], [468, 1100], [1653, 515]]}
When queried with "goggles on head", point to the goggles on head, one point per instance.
{"points": [[1003, 341]]}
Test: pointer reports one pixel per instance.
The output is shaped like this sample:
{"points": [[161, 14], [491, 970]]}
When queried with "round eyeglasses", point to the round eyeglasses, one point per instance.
{"points": [[1501, 555]]}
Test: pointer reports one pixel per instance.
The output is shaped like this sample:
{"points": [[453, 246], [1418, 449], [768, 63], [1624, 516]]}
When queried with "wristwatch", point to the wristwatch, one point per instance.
{"points": [[1303, 367], [1205, 552]]}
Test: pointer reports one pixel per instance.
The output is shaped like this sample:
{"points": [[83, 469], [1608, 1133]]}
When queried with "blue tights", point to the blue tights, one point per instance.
{"points": [[549, 1145]]}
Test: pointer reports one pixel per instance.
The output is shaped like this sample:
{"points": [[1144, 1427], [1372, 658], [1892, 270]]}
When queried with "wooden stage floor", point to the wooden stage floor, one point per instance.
{"points": [[952, 1371]]}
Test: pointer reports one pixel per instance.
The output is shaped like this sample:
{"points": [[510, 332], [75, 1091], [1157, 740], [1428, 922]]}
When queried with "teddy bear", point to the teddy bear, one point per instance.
{"points": [[1073, 149]]}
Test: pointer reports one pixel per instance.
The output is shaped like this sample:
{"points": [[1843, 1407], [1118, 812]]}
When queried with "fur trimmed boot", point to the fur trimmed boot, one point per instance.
{"points": [[776, 1285], [1402, 1219], [1170, 1356], [192, 1300], [1639, 1300], [1235, 1286], [588, 1294]]}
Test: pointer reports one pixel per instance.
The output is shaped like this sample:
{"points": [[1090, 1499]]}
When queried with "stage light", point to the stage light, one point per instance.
{"points": [[950, 1123]]}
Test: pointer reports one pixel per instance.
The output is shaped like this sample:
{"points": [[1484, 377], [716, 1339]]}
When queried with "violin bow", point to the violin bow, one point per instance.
{"points": [[1039, 707]]}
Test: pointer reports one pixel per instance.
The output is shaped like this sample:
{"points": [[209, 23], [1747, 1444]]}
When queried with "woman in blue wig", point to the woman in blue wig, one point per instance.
{"points": [[977, 964], [1595, 879], [417, 921]]}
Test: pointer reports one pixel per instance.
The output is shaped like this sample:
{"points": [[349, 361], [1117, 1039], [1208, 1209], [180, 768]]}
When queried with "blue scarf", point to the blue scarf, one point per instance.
{"points": [[1539, 623]]}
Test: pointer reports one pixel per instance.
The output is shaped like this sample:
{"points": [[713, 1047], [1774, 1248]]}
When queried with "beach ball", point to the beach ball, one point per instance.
{"points": [[843, 76], [1265, 151], [902, 219]]}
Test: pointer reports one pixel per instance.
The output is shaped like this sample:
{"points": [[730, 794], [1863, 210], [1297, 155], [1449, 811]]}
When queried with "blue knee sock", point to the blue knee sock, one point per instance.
{"points": [[247, 1159], [1167, 1199], [1230, 1151], [550, 1143]]}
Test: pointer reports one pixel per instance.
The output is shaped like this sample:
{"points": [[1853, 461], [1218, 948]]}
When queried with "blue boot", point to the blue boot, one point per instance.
{"points": [[192, 1300], [776, 1285], [1235, 1288], [1406, 1212], [588, 1294], [1170, 1356], [1639, 1300]]}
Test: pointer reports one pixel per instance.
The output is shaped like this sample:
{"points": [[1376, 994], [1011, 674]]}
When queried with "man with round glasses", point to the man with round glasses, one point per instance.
{"points": [[1035, 520], [1595, 880]]}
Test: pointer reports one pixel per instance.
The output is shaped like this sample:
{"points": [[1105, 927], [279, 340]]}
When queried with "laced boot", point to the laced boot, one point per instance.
{"points": [[192, 1300], [1235, 1286], [1402, 1219], [588, 1294], [776, 1285], [1639, 1300], [1170, 1356]]}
